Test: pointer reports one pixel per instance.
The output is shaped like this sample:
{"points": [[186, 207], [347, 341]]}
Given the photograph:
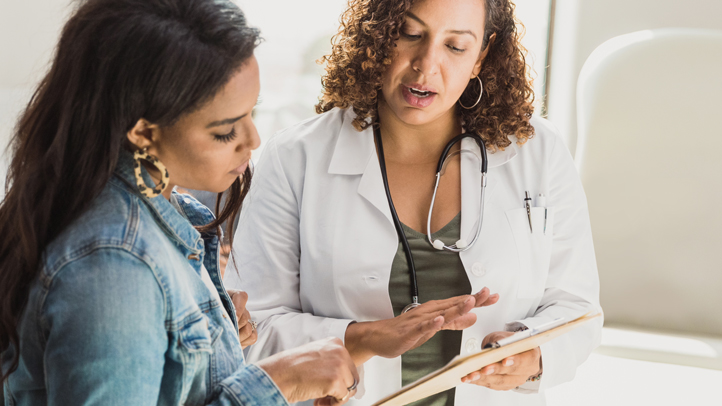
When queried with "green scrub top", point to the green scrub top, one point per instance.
{"points": [[439, 275]]}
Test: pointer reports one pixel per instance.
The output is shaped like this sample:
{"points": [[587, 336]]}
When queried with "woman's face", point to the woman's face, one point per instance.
{"points": [[210, 147], [438, 52]]}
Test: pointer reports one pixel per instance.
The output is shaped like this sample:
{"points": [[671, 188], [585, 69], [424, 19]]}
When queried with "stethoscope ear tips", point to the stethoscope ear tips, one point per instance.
{"points": [[439, 245], [461, 244]]}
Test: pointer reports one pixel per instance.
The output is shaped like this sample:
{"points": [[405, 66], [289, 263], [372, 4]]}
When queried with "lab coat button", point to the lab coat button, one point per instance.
{"points": [[472, 345], [478, 270]]}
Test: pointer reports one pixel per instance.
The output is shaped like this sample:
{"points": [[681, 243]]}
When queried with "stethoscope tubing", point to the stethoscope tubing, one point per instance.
{"points": [[397, 223], [454, 248]]}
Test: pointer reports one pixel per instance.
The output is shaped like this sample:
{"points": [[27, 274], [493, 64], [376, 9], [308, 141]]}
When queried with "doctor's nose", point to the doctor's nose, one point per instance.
{"points": [[426, 60]]}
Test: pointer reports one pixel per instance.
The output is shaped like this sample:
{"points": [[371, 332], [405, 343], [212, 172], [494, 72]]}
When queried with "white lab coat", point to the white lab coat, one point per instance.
{"points": [[316, 241]]}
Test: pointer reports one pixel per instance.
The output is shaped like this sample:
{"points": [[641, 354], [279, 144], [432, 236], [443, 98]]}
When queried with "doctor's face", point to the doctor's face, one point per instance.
{"points": [[437, 54]]}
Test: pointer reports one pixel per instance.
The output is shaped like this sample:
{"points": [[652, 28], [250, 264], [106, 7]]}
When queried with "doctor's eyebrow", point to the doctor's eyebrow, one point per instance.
{"points": [[458, 32]]}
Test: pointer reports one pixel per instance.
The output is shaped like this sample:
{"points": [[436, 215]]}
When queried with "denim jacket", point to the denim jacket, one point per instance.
{"points": [[118, 313]]}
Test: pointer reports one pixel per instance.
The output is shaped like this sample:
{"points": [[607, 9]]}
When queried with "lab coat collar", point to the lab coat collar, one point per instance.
{"points": [[355, 154], [500, 157], [354, 149]]}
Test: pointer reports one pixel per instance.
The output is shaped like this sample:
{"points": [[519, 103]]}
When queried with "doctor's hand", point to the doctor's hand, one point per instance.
{"points": [[392, 337], [247, 333], [321, 370], [509, 373]]}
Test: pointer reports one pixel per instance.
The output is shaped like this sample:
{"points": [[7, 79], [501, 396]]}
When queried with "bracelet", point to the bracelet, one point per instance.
{"points": [[535, 378]]}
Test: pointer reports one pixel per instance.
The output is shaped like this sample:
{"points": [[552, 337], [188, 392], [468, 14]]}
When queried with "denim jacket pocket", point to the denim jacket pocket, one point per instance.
{"points": [[193, 352], [223, 362], [195, 335]]}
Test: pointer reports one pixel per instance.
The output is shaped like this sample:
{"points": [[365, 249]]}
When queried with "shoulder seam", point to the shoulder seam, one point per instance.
{"points": [[84, 252]]}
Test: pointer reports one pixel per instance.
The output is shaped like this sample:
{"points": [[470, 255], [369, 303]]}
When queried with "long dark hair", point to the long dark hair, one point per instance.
{"points": [[117, 61]]}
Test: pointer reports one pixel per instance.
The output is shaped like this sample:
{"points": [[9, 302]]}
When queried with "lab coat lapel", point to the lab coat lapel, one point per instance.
{"points": [[355, 154], [371, 187]]}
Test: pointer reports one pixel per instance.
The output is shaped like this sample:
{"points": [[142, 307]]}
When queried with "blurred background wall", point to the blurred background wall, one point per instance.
{"points": [[582, 25]]}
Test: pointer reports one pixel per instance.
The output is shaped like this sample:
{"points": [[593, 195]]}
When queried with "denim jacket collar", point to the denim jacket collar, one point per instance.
{"points": [[175, 225]]}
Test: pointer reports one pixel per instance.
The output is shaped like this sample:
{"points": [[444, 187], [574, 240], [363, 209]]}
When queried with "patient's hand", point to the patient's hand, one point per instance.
{"points": [[321, 370], [509, 373], [247, 334]]}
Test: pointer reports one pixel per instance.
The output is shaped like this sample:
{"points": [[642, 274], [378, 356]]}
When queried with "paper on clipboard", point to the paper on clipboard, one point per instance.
{"points": [[450, 376]]}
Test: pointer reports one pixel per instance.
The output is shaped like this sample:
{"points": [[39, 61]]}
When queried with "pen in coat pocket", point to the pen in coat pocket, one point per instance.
{"points": [[527, 204], [541, 201]]}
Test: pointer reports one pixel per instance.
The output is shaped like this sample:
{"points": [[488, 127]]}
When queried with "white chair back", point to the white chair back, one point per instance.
{"points": [[650, 156]]}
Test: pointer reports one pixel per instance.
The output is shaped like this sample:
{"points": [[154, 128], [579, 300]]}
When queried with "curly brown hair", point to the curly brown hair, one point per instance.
{"points": [[363, 48]]}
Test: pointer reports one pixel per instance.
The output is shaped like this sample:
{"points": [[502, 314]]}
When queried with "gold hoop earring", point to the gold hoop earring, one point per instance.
{"points": [[481, 92], [147, 191]]}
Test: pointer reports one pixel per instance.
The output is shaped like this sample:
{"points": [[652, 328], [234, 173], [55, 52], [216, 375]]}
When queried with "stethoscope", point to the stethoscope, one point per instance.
{"points": [[460, 245]]}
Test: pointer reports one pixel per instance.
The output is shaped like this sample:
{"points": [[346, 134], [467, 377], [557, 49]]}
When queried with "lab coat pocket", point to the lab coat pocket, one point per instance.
{"points": [[533, 246]]}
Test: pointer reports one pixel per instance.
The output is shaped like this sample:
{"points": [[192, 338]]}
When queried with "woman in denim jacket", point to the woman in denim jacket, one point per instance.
{"points": [[109, 281]]}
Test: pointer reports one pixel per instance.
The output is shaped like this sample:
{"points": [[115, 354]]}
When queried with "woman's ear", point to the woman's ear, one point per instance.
{"points": [[482, 56], [143, 134]]}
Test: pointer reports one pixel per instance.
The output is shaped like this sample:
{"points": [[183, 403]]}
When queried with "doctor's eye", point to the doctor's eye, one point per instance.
{"points": [[410, 36], [455, 49], [226, 138]]}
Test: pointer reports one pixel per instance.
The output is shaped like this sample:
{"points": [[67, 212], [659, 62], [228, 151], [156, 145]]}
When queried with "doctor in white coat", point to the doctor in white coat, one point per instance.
{"points": [[316, 239]]}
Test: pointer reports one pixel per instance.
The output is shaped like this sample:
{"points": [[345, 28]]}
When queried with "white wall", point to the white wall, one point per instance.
{"points": [[582, 25]]}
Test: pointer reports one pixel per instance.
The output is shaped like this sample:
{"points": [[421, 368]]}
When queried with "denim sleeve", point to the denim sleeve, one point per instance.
{"points": [[249, 386], [104, 319]]}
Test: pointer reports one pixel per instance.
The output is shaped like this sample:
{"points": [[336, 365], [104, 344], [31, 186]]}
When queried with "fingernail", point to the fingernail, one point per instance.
{"points": [[509, 362], [490, 371], [468, 299]]}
